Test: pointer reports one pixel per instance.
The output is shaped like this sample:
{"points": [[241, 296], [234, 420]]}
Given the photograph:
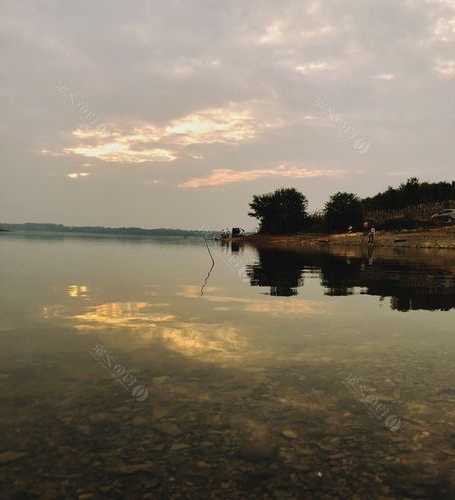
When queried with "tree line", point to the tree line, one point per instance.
{"points": [[101, 230], [285, 211]]}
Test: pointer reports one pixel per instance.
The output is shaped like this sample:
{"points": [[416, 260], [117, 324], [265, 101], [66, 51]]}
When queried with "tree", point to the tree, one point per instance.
{"points": [[281, 212], [343, 210]]}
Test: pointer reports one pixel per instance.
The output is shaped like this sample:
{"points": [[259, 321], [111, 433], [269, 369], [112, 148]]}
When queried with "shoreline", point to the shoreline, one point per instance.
{"points": [[437, 239]]}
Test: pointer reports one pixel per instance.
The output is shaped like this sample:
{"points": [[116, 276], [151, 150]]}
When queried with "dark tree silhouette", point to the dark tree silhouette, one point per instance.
{"points": [[343, 210], [411, 193], [281, 212]]}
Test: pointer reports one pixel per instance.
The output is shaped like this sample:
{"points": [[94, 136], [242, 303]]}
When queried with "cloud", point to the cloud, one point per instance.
{"points": [[219, 125], [220, 177], [273, 34], [445, 69], [275, 307], [148, 142], [385, 76], [122, 153], [315, 67], [208, 86]]}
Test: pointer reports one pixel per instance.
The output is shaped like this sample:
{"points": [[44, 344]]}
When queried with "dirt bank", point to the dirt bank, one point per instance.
{"points": [[439, 238]]}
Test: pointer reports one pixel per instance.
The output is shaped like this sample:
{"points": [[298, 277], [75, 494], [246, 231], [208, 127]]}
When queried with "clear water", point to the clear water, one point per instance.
{"points": [[292, 375]]}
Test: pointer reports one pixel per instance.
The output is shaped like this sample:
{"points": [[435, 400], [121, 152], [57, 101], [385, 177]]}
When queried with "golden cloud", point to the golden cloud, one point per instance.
{"points": [[122, 153], [222, 125], [220, 177], [232, 124]]}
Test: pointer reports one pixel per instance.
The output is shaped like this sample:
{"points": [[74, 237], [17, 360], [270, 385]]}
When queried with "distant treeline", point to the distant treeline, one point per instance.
{"points": [[411, 193], [100, 230]]}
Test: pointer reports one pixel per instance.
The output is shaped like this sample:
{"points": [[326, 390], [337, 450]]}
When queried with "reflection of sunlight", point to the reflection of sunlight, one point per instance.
{"points": [[131, 315], [77, 291]]}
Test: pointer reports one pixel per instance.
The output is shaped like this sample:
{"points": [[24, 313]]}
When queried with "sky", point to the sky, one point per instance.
{"points": [[174, 114]]}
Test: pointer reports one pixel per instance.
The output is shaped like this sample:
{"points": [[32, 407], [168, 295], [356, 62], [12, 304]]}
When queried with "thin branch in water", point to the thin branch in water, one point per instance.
{"points": [[204, 284]]}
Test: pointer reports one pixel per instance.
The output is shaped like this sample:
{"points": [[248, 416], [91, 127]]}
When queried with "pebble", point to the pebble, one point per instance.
{"points": [[257, 452], [180, 446], [139, 421], [100, 418], [10, 456], [161, 380], [287, 433], [168, 428], [135, 468]]}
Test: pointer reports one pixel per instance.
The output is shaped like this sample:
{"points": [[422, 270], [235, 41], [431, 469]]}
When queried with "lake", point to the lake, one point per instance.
{"points": [[131, 369]]}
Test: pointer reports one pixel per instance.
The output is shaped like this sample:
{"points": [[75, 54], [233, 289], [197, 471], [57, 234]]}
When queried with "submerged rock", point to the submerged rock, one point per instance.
{"points": [[135, 468], [257, 452], [287, 433], [101, 418], [161, 380], [139, 421], [10, 456], [168, 428]]}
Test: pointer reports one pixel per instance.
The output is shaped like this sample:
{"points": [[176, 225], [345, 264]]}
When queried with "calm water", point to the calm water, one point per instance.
{"points": [[292, 375]]}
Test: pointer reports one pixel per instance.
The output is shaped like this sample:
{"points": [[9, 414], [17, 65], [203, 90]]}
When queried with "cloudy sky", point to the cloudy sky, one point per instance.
{"points": [[173, 114]]}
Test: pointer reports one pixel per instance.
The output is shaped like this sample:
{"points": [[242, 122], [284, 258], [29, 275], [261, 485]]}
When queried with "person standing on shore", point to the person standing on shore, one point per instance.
{"points": [[371, 235]]}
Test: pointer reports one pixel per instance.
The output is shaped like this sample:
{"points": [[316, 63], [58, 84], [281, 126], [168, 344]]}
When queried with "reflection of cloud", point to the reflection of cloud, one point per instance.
{"points": [[76, 175], [220, 177], [77, 291], [148, 142], [53, 311], [131, 315], [272, 306], [193, 291], [195, 339], [276, 307]]}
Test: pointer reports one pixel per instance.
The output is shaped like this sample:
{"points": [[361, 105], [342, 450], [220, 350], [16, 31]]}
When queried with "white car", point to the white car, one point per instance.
{"points": [[445, 215]]}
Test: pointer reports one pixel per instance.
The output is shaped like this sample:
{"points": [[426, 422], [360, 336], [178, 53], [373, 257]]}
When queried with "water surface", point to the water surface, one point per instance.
{"points": [[129, 370]]}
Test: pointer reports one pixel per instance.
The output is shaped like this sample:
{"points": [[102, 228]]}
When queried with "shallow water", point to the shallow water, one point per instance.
{"points": [[289, 375]]}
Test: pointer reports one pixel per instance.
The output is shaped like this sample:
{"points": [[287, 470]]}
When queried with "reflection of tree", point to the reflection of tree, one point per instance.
{"points": [[411, 287], [281, 271]]}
